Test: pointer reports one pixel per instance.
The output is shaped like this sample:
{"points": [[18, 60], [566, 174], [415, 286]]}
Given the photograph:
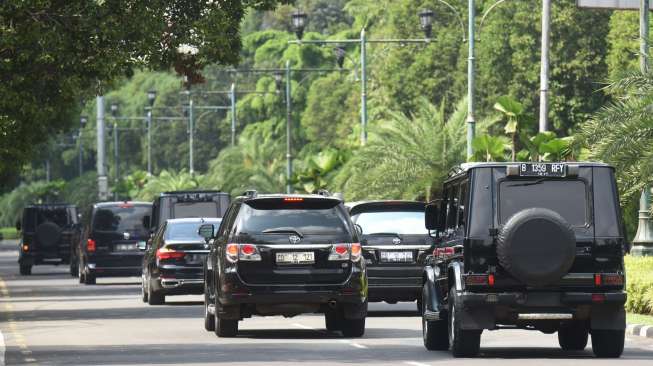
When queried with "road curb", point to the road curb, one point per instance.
{"points": [[640, 330]]}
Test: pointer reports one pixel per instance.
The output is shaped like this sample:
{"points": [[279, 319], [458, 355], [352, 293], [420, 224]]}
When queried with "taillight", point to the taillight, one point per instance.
{"points": [[90, 245], [608, 279], [249, 252], [166, 253], [480, 280], [25, 247], [345, 251]]}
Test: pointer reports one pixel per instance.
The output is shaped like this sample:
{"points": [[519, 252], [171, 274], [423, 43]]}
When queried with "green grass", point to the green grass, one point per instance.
{"points": [[639, 319], [8, 233], [639, 285]]}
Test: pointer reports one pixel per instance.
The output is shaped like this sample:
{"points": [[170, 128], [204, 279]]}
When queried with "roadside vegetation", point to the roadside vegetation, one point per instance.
{"points": [[639, 285]]}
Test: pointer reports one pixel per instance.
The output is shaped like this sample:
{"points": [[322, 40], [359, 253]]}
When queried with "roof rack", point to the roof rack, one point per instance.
{"points": [[454, 171], [251, 193]]}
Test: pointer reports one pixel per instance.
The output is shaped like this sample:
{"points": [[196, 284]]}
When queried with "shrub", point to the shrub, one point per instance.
{"points": [[639, 285]]}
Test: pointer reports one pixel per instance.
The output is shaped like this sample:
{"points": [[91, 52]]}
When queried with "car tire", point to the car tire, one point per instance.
{"points": [[25, 269], [209, 319], [74, 266], [225, 327], [608, 343], [353, 328], [144, 294], [463, 342], [333, 320], [573, 337], [80, 271], [434, 332], [89, 279], [154, 297]]}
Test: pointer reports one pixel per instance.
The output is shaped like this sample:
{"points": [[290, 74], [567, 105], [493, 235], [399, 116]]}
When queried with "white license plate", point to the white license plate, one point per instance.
{"points": [[296, 258], [126, 247], [397, 257]]}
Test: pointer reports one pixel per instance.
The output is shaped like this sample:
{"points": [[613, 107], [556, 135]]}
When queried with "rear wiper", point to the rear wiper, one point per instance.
{"points": [[283, 230], [383, 234], [528, 184]]}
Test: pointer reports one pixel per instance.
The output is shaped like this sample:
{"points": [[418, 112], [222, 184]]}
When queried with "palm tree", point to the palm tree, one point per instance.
{"points": [[407, 156], [514, 111], [621, 133], [168, 181]]}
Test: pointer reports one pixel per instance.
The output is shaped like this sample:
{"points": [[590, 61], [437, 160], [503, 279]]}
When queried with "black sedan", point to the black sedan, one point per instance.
{"points": [[395, 244], [173, 262]]}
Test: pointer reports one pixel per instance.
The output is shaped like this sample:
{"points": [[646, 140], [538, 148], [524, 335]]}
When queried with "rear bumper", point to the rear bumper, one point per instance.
{"points": [[96, 271], [394, 282], [115, 264], [542, 299]]}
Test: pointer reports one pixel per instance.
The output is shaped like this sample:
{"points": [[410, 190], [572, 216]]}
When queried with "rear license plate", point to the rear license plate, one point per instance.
{"points": [[542, 170], [397, 257], [126, 247], [296, 258], [194, 258]]}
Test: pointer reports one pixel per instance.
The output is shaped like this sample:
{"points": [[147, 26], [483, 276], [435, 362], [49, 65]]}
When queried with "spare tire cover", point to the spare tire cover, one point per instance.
{"points": [[536, 246], [48, 234]]}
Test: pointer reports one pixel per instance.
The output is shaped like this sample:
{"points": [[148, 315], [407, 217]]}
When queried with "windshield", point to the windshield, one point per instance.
{"points": [[187, 230], [195, 209], [57, 215], [301, 221], [566, 197], [397, 222], [121, 219]]}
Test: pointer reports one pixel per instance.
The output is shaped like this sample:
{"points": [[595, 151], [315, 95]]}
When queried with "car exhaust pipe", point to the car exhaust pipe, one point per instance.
{"points": [[333, 304]]}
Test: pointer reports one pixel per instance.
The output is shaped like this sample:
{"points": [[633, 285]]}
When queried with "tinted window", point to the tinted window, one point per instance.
{"points": [[303, 220], [566, 197], [195, 209], [410, 222], [123, 219], [59, 216], [186, 230]]}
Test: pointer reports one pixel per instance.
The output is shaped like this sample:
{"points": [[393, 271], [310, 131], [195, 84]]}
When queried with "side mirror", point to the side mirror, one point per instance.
{"points": [[18, 225], [432, 216], [206, 231]]}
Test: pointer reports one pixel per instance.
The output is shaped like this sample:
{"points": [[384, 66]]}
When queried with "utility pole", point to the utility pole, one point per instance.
{"points": [[80, 157], [288, 130], [363, 88], [149, 141], [471, 123], [232, 95], [544, 66], [103, 186], [116, 157], [191, 137]]}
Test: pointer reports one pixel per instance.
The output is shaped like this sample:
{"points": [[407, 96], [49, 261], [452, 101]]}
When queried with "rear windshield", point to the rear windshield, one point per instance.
{"points": [[395, 222], [122, 219], [195, 209], [280, 218], [186, 230], [566, 197], [58, 215]]}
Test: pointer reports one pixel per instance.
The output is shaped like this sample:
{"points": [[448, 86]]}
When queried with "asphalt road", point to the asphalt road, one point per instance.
{"points": [[50, 319]]}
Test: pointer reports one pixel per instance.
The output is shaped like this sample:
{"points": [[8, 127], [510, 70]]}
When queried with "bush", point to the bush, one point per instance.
{"points": [[639, 285]]}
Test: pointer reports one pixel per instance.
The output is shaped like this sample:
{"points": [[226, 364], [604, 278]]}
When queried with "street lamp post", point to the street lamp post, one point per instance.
{"points": [[232, 98], [151, 97], [116, 152], [299, 23], [82, 124]]}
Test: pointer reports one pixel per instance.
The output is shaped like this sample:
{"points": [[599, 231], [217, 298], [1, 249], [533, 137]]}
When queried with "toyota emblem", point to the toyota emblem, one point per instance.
{"points": [[294, 239], [396, 241], [126, 236]]}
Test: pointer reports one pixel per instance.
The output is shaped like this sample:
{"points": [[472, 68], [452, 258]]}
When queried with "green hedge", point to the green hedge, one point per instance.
{"points": [[8, 233], [639, 284]]}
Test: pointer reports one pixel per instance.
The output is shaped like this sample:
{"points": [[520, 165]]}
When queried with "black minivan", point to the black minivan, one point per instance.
{"points": [[113, 233]]}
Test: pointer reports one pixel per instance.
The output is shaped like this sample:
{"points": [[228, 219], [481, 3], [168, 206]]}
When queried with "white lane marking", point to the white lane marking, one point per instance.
{"points": [[2, 349], [303, 326], [353, 344], [414, 363]]}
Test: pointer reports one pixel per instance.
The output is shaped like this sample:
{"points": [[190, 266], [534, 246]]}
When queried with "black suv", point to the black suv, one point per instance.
{"points": [[395, 245], [285, 255], [47, 234], [531, 246], [183, 204], [174, 262], [112, 235]]}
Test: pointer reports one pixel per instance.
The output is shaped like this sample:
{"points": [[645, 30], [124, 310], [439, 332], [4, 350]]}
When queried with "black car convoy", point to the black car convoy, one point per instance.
{"points": [[509, 245]]}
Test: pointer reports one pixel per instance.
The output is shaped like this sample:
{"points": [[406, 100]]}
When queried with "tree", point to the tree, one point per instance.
{"points": [[55, 52], [514, 112], [489, 148]]}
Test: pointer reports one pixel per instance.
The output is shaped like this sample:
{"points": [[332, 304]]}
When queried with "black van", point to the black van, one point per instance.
{"points": [[113, 233], [188, 204], [48, 231]]}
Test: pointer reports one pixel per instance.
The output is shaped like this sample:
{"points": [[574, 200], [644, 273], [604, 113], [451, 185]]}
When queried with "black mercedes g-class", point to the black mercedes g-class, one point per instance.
{"points": [[395, 245], [48, 232], [530, 246], [285, 255]]}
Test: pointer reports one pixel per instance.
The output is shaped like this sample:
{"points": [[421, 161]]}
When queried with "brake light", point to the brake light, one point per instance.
{"points": [[293, 199], [598, 298], [608, 279], [231, 253], [90, 245], [477, 280], [597, 279], [339, 252], [490, 279], [25, 247], [249, 252], [165, 253], [355, 252]]}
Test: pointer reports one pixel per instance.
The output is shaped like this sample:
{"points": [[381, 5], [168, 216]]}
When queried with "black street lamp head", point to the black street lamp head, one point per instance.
{"points": [[278, 78], [340, 56], [114, 109], [299, 23], [82, 121], [426, 21], [151, 96]]}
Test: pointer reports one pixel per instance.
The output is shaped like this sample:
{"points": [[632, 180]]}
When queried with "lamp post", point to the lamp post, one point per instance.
{"points": [[299, 22], [82, 123], [151, 97], [116, 153]]}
